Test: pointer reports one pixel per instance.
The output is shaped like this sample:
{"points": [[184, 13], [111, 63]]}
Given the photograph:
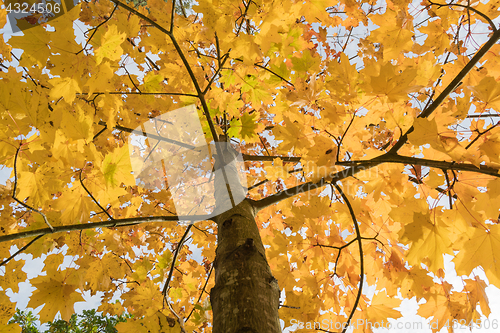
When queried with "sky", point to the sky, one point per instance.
{"points": [[409, 322]]}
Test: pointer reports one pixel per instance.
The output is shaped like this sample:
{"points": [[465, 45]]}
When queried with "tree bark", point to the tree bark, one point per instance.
{"points": [[245, 297]]}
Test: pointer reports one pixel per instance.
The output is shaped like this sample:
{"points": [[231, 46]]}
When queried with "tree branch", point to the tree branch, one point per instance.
{"points": [[490, 22], [150, 135], [20, 250], [19, 201], [270, 158], [438, 164], [309, 186], [361, 256], [395, 158], [104, 224], [449, 89], [202, 291], [270, 71], [449, 187], [144, 17], [138, 93], [92, 197], [176, 254]]}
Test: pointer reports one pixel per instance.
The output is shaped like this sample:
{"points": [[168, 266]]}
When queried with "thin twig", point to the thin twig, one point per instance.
{"points": [[19, 201], [343, 136], [481, 134], [172, 16], [176, 254], [151, 136], [95, 29], [361, 257], [270, 71], [92, 197], [202, 291], [138, 93], [20, 250], [450, 197], [169, 278], [490, 22]]}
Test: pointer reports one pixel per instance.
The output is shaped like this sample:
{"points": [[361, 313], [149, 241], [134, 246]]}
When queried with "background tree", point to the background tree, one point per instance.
{"points": [[358, 174], [89, 321]]}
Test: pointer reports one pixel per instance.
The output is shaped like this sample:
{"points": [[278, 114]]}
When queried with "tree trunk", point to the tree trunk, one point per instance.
{"points": [[245, 297]]}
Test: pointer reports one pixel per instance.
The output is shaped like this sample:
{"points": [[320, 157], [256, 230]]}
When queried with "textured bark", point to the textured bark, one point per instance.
{"points": [[245, 297]]}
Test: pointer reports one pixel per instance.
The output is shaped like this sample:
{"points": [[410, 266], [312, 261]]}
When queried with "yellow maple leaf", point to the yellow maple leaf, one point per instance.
{"points": [[110, 45], [482, 249], [32, 185], [246, 48], [66, 87], [394, 33], [102, 81], [275, 171], [425, 132], [131, 326], [393, 84], [343, 81], [415, 282], [437, 306], [146, 299], [292, 134], [35, 43], [117, 168], [477, 292], [7, 308], [437, 39], [3, 16], [13, 275], [432, 242], [246, 127], [54, 289], [101, 271], [10, 328], [488, 90], [77, 125], [382, 307]]}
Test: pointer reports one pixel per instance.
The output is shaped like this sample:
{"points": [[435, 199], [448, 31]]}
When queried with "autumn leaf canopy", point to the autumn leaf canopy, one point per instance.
{"points": [[368, 134]]}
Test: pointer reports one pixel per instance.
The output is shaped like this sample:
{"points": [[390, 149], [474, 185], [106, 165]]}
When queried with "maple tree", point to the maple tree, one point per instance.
{"points": [[358, 173]]}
